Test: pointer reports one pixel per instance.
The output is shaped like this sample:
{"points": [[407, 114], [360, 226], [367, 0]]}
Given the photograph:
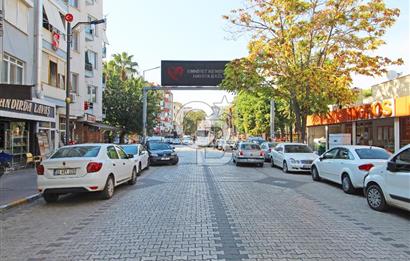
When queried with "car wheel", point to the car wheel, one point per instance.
{"points": [[272, 163], [133, 179], [315, 174], [108, 191], [347, 184], [237, 164], [375, 198], [285, 167], [261, 165], [50, 197]]}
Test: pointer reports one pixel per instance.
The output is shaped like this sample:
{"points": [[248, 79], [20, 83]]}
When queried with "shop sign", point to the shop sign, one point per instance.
{"points": [[26, 107], [192, 73], [374, 110], [90, 118]]}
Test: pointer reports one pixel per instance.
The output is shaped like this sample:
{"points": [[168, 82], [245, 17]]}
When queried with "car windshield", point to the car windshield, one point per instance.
{"points": [[297, 149], [372, 153], [250, 147], [77, 151], [130, 149], [159, 146], [272, 145]]}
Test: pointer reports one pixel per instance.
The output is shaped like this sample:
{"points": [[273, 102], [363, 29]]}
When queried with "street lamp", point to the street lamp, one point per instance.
{"points": [[69, 19], [150, 69]]}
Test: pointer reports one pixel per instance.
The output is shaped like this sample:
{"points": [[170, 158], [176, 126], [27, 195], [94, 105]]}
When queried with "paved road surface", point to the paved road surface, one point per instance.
{"points": [[202, 210]]}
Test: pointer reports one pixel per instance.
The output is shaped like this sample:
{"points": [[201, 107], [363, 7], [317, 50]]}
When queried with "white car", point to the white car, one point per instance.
{"points": [[389, 184], [85, 168], [187, 141], [292, 157], [348, 165], [140, 156]]}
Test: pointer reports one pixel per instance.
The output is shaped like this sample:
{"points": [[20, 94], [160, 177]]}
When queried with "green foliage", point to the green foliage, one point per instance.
{"points": [[191, 121], [123, 98], [305, 51]]}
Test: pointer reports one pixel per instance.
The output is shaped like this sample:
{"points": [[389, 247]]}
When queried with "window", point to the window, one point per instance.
{"points": [[52, 73], [403, 157], [372, 153], [73, 3], [12, 70], [92, 93], [90, 60], [17, 13], [130, 149], [90, 2], [74, 83], [122, 154], [77, 151], [330, 154], [250, 147], [75, 41], [112, 153], [297, 149], [344, 154]]}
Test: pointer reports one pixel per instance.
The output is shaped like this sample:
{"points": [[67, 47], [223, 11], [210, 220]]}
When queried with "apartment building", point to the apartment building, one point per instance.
{"points": [[33, 74], [165, 118]]}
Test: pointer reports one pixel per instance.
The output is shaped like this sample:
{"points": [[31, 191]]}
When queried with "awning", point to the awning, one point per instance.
{"points": [[54, 17], [102, 126], [16, 91]]}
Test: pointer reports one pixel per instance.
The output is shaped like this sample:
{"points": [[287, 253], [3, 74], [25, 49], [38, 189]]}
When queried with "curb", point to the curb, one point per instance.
{"points": [[19, 202]]}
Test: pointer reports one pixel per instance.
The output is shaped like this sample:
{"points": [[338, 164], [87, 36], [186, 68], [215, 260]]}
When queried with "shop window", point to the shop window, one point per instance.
{"points": [[52, 74], [404, 131], [12, 70]]}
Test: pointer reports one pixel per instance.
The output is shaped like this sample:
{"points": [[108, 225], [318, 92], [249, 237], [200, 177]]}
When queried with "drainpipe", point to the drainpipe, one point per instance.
{"points": [[38, 46]]}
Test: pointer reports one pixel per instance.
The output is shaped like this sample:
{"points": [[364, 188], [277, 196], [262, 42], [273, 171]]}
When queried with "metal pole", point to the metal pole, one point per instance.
{"points": [[272, 119], [67, 88], [144, 112]]}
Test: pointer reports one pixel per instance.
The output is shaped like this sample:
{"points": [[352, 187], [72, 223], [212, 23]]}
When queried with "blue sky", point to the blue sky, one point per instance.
{"points": [[155, 30]]}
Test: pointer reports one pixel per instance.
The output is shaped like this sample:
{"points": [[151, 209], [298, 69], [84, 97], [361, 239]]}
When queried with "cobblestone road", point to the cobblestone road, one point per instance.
{"points": [[199, 211]]}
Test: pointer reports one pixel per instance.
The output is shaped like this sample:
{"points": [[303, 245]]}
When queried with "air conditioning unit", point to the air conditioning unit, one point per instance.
{"points": [[73, 97]]}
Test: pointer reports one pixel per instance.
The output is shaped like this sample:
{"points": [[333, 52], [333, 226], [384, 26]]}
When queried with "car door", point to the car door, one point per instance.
{"points": [[126, 164], [115, 162], [340, 161], [144, 156], [398, 179], [326, 163]]}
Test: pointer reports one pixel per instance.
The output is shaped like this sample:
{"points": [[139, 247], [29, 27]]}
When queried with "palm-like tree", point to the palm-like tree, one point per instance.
{"points": [[125, 65]]}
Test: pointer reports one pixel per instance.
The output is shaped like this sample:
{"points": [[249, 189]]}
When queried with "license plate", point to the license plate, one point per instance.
{"points": [[165, 158], [64, 172], [306, 166]]}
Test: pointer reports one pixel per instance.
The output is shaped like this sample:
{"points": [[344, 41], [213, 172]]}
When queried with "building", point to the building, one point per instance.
{"points": [[24, 116], [88, 50], [165, 120], [178, 118], [381, 120]]}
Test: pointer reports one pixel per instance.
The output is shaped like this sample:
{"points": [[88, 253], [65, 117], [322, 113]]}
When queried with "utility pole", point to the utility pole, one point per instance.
{"points": [[272, 119]]}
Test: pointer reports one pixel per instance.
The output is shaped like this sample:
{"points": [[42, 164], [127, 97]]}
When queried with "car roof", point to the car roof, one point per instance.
{"points": [[358, 147], [292, 143], [88, 144]]}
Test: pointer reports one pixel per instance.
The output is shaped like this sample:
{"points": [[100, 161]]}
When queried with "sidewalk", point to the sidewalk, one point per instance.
{"points": [[17, 185]]}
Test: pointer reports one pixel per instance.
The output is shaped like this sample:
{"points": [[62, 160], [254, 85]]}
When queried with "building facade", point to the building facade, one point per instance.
{"points": [[382, 120], [34, 70], [165, 120]]}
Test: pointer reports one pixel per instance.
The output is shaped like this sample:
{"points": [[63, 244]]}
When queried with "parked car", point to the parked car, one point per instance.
{"points": [[169, 139], [348, 164], [85, 168], [248, 152], [267, 149], [140, 155], [257, 140], [292, 157], [228, 145], [161, 153], [176, 141], [389, 184], [187, 140], [220, 144], [154, 138]]}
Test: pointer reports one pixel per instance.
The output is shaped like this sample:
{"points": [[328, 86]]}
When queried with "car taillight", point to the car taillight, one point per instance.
{"points": [[366, 167], [262, 153], [40, 170], [94, 167], [241, 153]]}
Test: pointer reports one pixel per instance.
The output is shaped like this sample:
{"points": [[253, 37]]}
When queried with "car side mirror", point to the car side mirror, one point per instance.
{"points": [[321, 158], [130, 156], [392, 166], [173, 147]]}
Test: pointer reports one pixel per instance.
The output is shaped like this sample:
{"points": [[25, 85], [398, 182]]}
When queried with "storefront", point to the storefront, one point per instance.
{"points": [[88, 130], [21, 123], [383, 123]]}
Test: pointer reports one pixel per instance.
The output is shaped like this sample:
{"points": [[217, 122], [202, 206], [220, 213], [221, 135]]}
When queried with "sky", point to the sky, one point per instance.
{"points": [[155, 30]]}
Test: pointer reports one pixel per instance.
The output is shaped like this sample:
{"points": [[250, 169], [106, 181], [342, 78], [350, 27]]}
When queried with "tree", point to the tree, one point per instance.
{"points": [[191, 121], [305, 51], [124, 65], [123, 99]]}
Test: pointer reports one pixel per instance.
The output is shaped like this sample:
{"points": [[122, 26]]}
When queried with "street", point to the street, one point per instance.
{"points": [[208, 209]]}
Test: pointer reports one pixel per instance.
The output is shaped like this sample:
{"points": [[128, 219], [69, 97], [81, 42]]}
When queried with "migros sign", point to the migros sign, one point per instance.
{"points": [[374, 110]]}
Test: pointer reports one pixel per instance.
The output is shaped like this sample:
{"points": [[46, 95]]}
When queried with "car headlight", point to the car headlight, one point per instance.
{"points": [[294, 161], [154, 155]]}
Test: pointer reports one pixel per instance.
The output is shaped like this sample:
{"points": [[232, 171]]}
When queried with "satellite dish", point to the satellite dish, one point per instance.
{"points": [[391, 75]]}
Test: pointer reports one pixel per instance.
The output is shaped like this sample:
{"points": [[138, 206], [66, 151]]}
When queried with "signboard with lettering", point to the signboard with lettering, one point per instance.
{"points": [[192, 73], [27, 107]]}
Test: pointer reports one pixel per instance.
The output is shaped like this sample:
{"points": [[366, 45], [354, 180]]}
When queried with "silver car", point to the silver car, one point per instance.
{"points": [[267, 148], [248, 152]]}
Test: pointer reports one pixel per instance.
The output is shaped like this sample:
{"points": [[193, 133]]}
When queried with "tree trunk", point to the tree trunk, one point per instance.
{"points": [[303, 126], [122, 137]]}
